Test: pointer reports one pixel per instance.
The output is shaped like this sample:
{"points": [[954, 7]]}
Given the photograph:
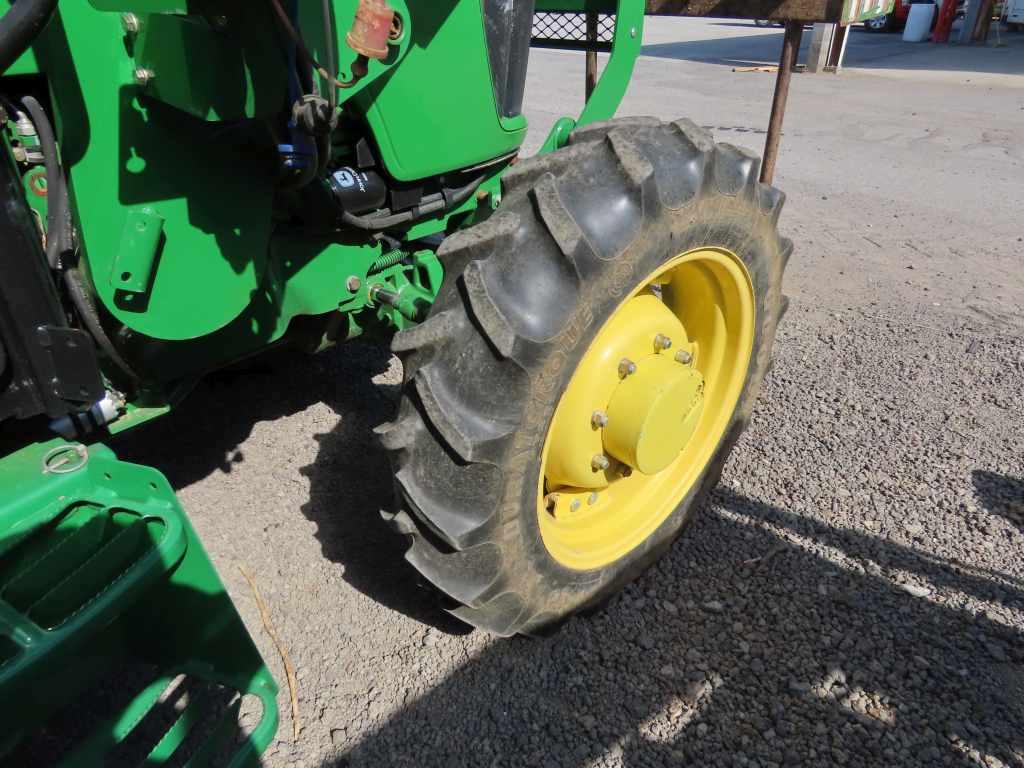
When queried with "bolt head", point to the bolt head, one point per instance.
{"points": [[575, 506], [600, 463], [353, 283], [661, 341], [130, 23], [599, 419], [684, 357], [592, 498], [144, 76], [626, 368]]}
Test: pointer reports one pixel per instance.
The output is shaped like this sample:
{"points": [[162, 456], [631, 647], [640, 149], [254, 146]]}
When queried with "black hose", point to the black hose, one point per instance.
{"points": [[323, 151], [59, 236], [434, 204], [20, 26], [324, 146], [8, 104], [83, 302], [455, 196], [330, 41], [56, 192], [302, 48], [441, 201]]}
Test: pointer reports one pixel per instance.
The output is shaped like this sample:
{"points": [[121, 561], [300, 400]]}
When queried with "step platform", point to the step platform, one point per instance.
{"points": [[118, 643]]}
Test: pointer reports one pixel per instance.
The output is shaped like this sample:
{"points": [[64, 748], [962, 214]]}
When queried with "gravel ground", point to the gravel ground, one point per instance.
{"points": [[852, 593]]}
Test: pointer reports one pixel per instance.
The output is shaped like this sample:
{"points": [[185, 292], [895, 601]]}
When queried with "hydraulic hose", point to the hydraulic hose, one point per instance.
{"points": [[332, 64], [83, 302], [20, 26], [440, 201], [57, 235]]}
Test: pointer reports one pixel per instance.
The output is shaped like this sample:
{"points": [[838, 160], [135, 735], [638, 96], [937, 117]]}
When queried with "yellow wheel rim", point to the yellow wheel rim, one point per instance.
{"points": [[646, 408]]}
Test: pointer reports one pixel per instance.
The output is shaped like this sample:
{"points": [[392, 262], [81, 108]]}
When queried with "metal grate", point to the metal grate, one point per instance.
{"points": [[569, 30]]}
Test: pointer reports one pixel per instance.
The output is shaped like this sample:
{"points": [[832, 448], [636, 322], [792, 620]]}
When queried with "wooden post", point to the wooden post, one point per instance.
{"points": [[984, 20], [790, 53], [817, 52], [591, 74]]}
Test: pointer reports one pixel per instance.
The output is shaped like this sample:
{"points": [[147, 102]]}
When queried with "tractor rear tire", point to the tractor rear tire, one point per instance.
{"points": [[526, 292]]}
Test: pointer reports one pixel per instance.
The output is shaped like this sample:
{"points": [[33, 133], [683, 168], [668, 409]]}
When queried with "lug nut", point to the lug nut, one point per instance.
{"points": [[600, 463], [661, 341], [626, 367], [684, 357], [575, 506], [353, 283], [598, 419], [592, 498]]}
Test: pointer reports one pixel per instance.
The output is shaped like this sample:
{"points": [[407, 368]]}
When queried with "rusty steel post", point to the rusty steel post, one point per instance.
{"points": [[591, 74], [790, 52]]}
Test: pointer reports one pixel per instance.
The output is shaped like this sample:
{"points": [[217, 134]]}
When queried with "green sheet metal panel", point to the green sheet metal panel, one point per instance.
{"points": [[444, 83], [126, 153]]}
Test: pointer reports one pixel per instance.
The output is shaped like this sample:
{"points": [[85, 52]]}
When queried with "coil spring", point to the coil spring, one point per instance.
{"points": [[385, 261]]}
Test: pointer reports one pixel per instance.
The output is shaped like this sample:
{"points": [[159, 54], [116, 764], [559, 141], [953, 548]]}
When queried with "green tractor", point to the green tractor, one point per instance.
{"points": [[189, 183]]}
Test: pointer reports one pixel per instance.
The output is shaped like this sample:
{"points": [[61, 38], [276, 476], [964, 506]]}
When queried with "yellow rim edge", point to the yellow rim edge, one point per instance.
{"points": [[590, 515]]}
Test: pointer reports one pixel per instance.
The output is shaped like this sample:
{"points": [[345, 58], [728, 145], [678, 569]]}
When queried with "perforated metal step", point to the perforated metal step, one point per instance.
{"points": [[100, 570]]}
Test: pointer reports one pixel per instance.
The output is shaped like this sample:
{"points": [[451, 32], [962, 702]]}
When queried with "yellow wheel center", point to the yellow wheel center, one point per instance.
{"points": [[646, 408], [653, 413]]}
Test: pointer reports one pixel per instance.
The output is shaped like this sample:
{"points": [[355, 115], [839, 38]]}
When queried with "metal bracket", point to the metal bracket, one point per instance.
{"points": [[140, 243], [611, 86]]}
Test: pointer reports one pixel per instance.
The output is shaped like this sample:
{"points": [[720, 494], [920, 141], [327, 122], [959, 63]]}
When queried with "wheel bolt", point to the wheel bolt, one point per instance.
{"points": [[684, 357], [661, 341], [143, 76], [600, 463], [626, 367], [598, 419], [130, 23]]}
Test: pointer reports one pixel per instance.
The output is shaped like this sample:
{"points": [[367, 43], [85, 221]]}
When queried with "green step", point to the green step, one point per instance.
{"points": [[99, 568]]}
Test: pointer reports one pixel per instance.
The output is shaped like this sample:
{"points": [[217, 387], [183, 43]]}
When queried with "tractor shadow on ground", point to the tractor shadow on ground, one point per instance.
{"points": [[350, 482], [723, 677], [1001, 495], [203, 434]]}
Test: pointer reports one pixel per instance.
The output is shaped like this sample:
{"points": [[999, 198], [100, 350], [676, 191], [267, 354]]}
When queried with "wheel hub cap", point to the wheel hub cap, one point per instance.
{"points": [[653, 413]]}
